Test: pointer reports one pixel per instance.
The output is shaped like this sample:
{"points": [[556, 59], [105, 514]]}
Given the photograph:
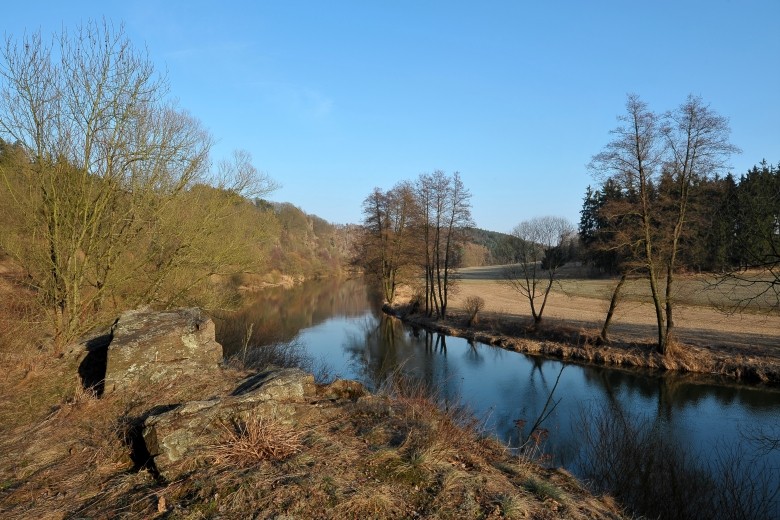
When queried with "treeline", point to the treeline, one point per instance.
{"points": [[733, 223], [415, 233], [306, 245], [109, 199]]}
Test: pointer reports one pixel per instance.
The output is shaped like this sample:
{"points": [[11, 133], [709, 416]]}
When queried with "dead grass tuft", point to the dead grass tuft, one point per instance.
{"points": [[82, 396], [374, 502], [245, 443], [512, 506]]}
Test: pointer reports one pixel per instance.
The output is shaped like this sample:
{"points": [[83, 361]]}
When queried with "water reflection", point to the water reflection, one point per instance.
{"points": [[340, 327], [277, 315]]}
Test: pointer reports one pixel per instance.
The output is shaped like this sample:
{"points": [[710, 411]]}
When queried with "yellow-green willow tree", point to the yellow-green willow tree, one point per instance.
{"points": [[107, 160]]}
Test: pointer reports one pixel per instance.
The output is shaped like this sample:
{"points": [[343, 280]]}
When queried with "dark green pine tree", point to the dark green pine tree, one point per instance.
{"points": [[597, 230], [758, 218], [710, 244]]}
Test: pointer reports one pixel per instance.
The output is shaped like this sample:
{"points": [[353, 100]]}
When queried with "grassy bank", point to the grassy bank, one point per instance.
{"points": [[743, 346], [69, 454], [386, 456]]}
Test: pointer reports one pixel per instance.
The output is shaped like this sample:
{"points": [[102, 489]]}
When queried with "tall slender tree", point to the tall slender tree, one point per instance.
{"points": [[657, 161], [445, 212], [698, 147], [632, 160]]}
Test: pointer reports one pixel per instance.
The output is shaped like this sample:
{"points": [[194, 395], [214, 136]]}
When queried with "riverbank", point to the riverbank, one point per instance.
{"points": [[576, 342], [316, 450]]}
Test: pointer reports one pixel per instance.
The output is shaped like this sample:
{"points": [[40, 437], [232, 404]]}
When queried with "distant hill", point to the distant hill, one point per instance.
{"points": [[485, 247], [305, 244]]}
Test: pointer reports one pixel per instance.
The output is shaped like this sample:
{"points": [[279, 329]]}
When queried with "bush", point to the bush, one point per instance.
{"points": [[474, 304], [656, 477]]}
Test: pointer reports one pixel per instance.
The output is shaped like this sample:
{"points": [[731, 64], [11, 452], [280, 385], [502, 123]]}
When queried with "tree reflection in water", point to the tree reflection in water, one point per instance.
{"points": [[666, 445]]}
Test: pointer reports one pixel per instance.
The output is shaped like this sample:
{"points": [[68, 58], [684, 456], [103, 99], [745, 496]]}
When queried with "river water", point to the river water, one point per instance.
{"points": [[339, 330]]}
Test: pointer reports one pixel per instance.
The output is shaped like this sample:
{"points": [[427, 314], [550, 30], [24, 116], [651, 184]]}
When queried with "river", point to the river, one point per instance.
{"points": [[595, 419]]}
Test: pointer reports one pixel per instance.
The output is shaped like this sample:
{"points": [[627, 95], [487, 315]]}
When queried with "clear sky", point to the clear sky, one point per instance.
{"points": [[333, 98]]}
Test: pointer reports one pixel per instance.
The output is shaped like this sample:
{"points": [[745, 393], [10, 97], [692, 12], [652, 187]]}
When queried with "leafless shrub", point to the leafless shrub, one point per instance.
{"points": [[474, 305], [651, 475], [245, 443]]}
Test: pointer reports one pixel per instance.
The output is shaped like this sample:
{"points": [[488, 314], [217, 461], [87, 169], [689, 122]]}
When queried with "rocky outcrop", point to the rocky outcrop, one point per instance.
{"points": [[189, 430], [148, 347], [165, 355]]}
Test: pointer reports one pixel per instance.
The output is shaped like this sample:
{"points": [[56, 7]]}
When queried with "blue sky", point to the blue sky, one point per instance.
{"points": [[334, 98]]}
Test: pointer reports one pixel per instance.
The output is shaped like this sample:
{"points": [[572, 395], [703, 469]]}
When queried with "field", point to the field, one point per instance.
{"points": [[704, 312]]}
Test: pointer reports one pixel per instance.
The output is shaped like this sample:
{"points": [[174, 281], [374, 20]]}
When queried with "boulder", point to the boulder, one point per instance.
{"points": [[188, 430], [148, 347]]}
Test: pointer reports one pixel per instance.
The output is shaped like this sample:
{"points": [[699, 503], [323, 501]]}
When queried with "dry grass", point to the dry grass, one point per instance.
{"points": [[67, 454], [245, 443], [374, 502], [699, 304], [705, 339], [379, 457], [22, 328]]}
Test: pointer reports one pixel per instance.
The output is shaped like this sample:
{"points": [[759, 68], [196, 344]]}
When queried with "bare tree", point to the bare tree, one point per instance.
{"points": [[698, 147], [238, 175], [632, 161], [444, 212], [386, 246], [431, 192], [542, 240], [456, 218], [108, 164], [656, 162]]}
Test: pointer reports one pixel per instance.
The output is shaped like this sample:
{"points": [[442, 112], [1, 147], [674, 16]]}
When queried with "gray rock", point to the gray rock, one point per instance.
{"points": [[276, 383], [149, 347], [190, 429]]}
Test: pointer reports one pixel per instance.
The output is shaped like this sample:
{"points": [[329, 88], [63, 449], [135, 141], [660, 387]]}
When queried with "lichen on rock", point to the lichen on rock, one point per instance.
{"points": [[153, 346]]}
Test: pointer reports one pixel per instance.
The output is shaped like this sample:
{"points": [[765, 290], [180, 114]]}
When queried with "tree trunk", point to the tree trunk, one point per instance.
{"points": [[651, 267], [669, 319], [604, 336], [659, 313], [547, 289]]}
